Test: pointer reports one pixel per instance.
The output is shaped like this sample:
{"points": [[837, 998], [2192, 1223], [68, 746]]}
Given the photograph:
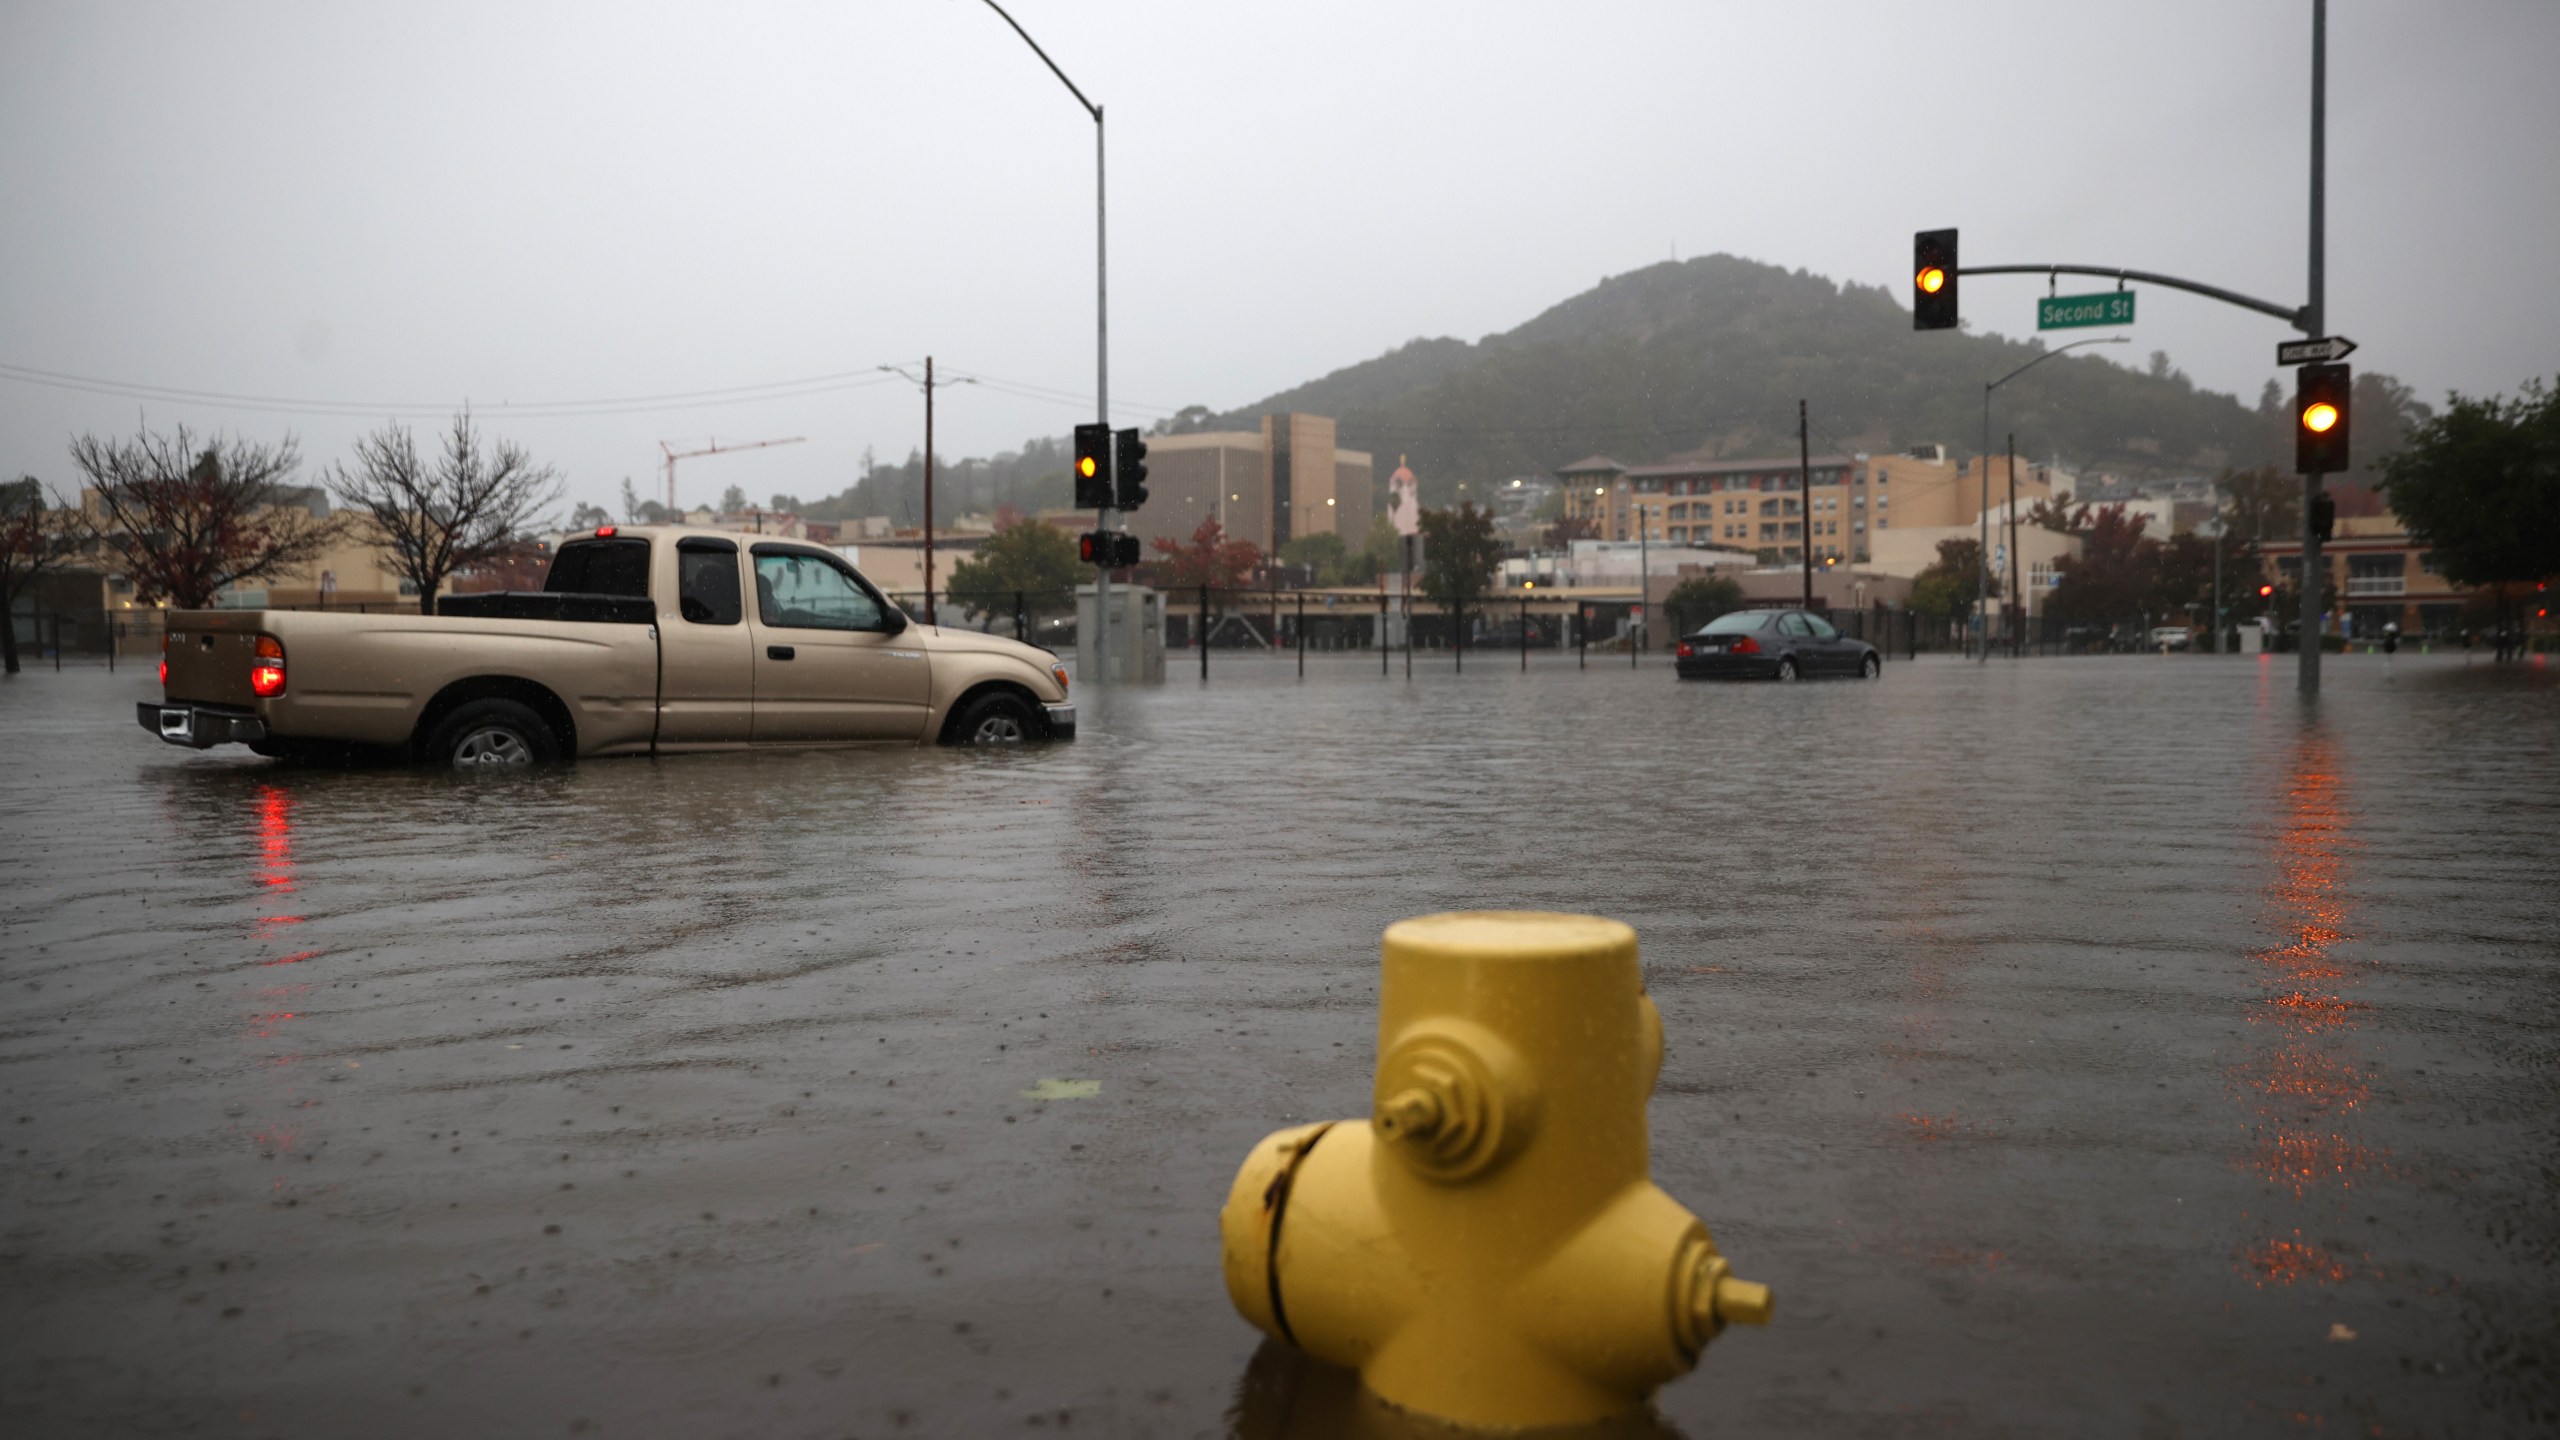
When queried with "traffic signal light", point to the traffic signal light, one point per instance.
{"points": [[1129, 468], [2320, 419], [1093, 467], [1110, 549], [2266, 592], [1933, 280], [2324, 517]]}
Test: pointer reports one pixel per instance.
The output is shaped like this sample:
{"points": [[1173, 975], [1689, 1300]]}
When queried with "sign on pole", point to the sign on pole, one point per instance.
{"points": [[2066, 312], [2327, 350]]}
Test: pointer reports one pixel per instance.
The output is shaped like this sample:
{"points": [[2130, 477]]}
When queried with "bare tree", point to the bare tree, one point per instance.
{"points": [[472, 507], [188, 518], [32, 541]]}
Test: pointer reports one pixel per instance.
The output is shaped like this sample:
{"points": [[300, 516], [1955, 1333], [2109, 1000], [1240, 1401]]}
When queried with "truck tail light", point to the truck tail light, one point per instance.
{"points": [[1746, 646], [266, 671]]}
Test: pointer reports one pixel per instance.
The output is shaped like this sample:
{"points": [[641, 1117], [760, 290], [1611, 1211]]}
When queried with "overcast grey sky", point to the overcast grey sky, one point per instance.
{"points": [[511, 204]]}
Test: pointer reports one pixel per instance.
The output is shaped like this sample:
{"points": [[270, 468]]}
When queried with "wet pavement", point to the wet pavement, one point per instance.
{"points": [[2082, 1046]]}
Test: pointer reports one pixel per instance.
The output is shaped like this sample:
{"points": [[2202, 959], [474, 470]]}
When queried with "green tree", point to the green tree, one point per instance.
{"points": [[1030, 556], [2480, 486], [1701, 598], [1326, 559], [2262, 504], [1384, 546], [1459, 553], [1947, 589], [2111, 579]]}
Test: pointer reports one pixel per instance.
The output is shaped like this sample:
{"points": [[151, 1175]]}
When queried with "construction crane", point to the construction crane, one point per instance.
{"points": [[714, 448]]}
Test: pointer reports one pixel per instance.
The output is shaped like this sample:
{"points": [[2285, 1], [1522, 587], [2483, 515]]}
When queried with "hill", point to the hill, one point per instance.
{"points": [[1708, 356]]}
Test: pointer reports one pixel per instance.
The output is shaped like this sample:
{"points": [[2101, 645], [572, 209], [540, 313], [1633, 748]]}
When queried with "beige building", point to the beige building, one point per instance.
{"points": [[1762, 505], [1269, 486], [2382, 576]]}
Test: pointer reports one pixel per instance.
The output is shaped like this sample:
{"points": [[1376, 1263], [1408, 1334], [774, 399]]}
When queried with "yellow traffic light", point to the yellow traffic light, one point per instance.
{"points": [[1084, 467], [2320, 418], [1933, 280]]}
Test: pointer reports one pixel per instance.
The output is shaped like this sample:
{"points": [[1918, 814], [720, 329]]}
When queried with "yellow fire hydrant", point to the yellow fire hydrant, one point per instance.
{"points": [[1488, 1247]]}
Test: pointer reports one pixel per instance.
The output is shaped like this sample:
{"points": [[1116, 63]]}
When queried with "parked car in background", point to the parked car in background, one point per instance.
{"points": [[2171, 637], [1773, 645]]}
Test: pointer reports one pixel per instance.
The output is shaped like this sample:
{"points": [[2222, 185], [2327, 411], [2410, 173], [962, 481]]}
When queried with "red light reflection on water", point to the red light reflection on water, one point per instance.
{"points": [[2304, 1088]]}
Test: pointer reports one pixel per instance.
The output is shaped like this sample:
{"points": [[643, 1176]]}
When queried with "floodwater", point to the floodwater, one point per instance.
{"points": [[2106, 1046]]}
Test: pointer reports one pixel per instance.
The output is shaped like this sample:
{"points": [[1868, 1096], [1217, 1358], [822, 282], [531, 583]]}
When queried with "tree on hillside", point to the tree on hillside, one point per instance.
{"points": [[1210, 559], [2480, 485], [1459, 553], [186, 518], [1029, 557], [475, 503], [33, 540], [1949, 587], [1701, 598]]}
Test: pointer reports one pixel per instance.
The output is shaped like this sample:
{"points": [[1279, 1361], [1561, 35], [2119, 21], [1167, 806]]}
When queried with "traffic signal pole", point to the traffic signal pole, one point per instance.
{"points": [[2314, 319], [1101, 331]]}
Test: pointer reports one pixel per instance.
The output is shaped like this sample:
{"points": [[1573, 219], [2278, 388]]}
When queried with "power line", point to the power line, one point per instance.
{"points": [[549, 409]]}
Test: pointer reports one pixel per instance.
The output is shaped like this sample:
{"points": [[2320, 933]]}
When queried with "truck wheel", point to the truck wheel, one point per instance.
{"points": [[492, 735], [996, 719]]}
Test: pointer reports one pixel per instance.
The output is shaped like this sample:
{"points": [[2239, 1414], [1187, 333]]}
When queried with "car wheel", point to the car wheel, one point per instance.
{"points": [[1787, 668], [492, 735], [996, 719], [1871, 667]]}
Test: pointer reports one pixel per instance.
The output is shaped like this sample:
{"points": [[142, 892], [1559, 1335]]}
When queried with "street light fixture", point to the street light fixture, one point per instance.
{"points": [[1982, 575]]}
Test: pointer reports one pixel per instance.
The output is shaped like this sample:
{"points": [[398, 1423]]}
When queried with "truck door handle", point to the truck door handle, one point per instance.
{"points": [[779, 652]]}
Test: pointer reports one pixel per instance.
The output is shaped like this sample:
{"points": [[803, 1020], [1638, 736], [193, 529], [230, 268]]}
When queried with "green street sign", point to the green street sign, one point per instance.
{"points": [[2063, 312]]}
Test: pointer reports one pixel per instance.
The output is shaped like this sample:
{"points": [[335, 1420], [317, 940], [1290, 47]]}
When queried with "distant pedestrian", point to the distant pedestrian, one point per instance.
{"points": [[2391, 639]]}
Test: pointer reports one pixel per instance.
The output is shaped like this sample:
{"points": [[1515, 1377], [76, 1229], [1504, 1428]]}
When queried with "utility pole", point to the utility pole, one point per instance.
{"points": [[1804, 459], [1644, 577], [2315, 322], [929, 384], [2017, 601]]}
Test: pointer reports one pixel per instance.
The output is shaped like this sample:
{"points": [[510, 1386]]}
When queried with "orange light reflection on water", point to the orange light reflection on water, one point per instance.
{"points": [[2305, 1089]]}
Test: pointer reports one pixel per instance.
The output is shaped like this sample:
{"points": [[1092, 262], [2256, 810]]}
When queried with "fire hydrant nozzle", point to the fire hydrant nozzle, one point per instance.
{"points": [[1490, 1247]]}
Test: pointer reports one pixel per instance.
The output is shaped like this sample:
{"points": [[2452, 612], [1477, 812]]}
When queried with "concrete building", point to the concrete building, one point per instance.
{"points": [[1287, 479], [1905, 551]]}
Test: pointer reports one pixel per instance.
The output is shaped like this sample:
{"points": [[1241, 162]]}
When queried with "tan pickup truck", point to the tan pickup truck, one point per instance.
{"points": [[644, 640]]}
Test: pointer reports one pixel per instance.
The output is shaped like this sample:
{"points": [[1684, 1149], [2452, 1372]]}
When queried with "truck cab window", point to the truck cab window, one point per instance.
{"points": [[601, 567], [802, 591], [707, 582]]}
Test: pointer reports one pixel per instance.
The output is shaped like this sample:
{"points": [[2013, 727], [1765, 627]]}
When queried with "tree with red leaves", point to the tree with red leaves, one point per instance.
{"points": [[1210, 559], [187, 518]]}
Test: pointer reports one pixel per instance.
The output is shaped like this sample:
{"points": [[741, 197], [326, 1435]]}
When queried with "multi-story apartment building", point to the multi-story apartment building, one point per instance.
{"points": [[1757, 505], [2382, 575]]}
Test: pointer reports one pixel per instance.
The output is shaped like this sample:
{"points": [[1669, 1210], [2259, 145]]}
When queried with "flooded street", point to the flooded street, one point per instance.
{"points": [[2085, 1046]]}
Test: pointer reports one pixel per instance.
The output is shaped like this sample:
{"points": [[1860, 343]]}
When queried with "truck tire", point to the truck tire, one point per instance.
{"points": [[997, 718], [491, 734]]}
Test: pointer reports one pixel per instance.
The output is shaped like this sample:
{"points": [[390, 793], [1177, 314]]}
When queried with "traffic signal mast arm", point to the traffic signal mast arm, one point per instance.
{"points": [[2299, 317]]}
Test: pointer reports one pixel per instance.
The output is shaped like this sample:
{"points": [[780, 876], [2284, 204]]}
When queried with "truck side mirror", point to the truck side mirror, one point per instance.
{"points": [[893, 621]]}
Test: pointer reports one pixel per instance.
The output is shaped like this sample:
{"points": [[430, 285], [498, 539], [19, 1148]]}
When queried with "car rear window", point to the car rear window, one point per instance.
{"points": [[601, 567], [1739, 622]]}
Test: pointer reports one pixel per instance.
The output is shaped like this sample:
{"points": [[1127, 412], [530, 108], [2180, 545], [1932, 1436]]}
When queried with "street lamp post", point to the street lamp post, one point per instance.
{"points": [[1982, 574], [1101, 335]]}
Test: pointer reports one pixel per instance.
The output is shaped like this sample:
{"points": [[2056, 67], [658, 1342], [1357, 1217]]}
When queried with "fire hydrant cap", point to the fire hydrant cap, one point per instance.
{"points": [[1511, 935]]}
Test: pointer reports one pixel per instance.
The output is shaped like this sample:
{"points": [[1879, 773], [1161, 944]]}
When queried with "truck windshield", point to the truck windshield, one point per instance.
{"points": [[601, 567]]}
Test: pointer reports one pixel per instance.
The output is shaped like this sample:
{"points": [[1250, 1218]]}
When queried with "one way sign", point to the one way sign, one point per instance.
{"points": [[2327, 350]]}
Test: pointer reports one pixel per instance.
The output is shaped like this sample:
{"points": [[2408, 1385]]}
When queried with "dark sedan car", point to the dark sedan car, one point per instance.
{"points": [[1774, 645]]}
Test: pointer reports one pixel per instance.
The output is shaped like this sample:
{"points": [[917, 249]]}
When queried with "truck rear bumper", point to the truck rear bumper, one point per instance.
{"points": [[1062, 721], [197, 726]]}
